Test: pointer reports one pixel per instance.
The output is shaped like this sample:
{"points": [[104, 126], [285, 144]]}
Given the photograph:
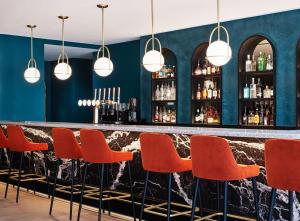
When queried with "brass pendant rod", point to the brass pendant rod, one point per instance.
{"points": [[31, 61], [152, 21], [103, 31], [218, 18]]}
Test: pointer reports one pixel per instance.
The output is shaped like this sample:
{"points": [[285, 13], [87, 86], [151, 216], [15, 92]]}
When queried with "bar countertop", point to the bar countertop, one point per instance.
{"points": [[224, 132]]}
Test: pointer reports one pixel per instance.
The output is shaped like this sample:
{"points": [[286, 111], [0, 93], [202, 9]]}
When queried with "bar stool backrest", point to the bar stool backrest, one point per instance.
{"points": [[3, 139], [65, 144], [94, 147], [282, 159], [212, 158], [158, 152], [16, 138]]}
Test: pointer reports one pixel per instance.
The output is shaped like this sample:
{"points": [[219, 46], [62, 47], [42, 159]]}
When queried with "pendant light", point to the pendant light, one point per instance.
{"points": [[31, 74], [103, 65], [153, 60], [62, 70], [219, 52]]}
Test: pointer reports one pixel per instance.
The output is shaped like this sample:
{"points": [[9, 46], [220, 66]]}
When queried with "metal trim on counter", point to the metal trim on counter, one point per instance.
{"points": [[224, 132]]}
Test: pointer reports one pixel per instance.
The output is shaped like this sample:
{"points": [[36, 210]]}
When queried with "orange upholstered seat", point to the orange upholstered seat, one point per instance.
{"points": [[3, 139], [213, 159], [17, 141], [283, 164], [96, 150], [65, 144], [159, 154]]}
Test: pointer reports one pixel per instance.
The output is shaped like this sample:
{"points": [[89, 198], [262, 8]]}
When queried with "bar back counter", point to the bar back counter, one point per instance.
{"points": [[247, 146]]}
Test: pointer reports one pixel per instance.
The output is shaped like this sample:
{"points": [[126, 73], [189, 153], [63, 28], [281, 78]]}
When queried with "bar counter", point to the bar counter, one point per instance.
{"points": [[247, 146]]}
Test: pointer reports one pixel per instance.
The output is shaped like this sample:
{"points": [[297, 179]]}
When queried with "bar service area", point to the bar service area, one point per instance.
{"points": [[113, 110]]}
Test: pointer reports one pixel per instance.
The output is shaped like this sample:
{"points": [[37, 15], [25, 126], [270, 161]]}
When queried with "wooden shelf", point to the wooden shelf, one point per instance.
{"points": [[206, 100], [163, 79], [164, 101], [206, 76], [257, 73], [255, 99]]}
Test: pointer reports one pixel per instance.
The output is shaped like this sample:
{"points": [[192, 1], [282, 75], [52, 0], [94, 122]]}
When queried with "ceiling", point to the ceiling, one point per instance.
{"points": [[124, 20]]}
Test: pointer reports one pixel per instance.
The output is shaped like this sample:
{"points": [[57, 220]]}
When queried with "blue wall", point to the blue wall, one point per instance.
{"points": [[280, 28], [126, 73]]}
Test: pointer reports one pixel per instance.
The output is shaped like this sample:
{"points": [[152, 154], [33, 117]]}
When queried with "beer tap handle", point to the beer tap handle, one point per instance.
{"points": [[113, 96], [119, 94], [104, 93]]}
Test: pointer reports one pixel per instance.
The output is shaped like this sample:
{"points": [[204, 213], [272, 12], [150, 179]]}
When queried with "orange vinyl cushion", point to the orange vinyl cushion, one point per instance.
{"points": [[3, 139], [213, 159], [283, 164], [19, 143], [65, 144], [159, 154], [96, 150]]}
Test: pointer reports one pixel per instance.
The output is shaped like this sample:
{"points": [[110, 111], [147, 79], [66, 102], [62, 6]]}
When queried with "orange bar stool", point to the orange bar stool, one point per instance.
{"points": [[17, 142], [282, 168], [212, 159], [65, 147], [95, 150], [159, 155], [3, 144]]}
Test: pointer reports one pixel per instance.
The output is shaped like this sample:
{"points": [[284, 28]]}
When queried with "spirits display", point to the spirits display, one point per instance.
{"points": [[164, 91], [263, 63], [261, 114], [208, 92], [206, 69], [207, 115], [257, 90]]}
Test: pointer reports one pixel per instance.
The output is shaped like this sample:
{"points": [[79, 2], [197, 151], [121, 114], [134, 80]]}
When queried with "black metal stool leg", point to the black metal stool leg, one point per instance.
{"points": [[54, 186], [108, 169], [144, 195], [225, 200], [33, 172], [72, 188], [272, 204], [82, 191], [19, 178], [200, 199], [11, 156], [291, 204], [131, 190], [101, 191], [255, 195], [196, 186], [46, 174], [169, 196]]}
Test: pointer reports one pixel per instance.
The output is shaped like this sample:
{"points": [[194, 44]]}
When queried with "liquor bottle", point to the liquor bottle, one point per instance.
{"points": [[253, 63], [168, 92], [248, 65], [271, 91], [173, 116], [219, 94], [164, 115], [253, 89], [173, 91], [215, 91], [157, 93], [269, 63], [209, 92], [245, 117], [216, 117], [173, 72], [261, 114], [210, 118], [261, 62], [267, 92], [251, 118], [246, 92], [267, 117], [198, 92], [208, 69], [201, 116], [256, 117], [198, 70], [204, 68], [259, 89], [272, 113], [197, 116], [156, 115], [169, 116], [213, 69], [160, 115], [162, 92], [204, 92]]}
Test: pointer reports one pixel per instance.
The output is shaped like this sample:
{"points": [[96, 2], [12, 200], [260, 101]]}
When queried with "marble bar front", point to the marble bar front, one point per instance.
{"points": [[247, 146]]}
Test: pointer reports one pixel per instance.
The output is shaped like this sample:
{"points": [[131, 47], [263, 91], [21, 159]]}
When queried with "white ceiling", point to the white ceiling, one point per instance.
{"points": [[125, 20]]}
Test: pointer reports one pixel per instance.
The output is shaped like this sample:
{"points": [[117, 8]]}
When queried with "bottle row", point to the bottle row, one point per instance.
{"points": [[208, 91], [167, 71], [165, 91], [257, 90], [164, 115], [206, 69], [262, 114], [207, 115], [262, 63]]}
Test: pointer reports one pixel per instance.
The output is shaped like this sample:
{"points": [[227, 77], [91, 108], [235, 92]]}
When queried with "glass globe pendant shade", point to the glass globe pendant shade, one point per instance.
{"points": [[153, 61], [63, 71], [219, 53], [32, 75], [103, 66]]}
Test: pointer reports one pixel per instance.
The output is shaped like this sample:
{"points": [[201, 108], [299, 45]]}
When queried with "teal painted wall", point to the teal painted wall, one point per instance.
{"points": [[280, 28], [126, 73]]}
